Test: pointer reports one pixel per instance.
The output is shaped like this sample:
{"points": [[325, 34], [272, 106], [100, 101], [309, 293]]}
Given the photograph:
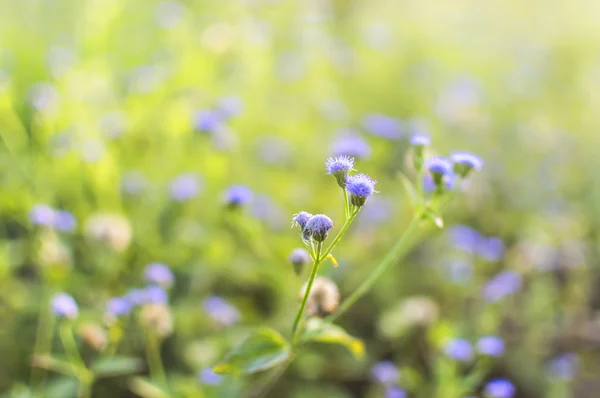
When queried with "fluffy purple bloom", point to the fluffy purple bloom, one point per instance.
{"points": [[301, 219], [119, 306], [209, 377], [64, 221], [159, 274], [318, 227], [340, 166], [491, 345], [63, 305], [383, 126], [238, 195], [502, 285], [465, 162], [499, 388], [395, 392], [351, 145], [459, 349], [207, 121], [564, 366], [155, 294], [229, 106], [221, 311], [360, 187], [420, 140], [42, 215], [429, 185], [439, 166], [185, 187], [385, 372]]}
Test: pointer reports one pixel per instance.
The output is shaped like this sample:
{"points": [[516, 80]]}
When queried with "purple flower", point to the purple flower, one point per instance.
{"points": [[491, 249], [465, 162], [420, 140], [351, 145], [119, 306], [385, 372], [383, 126], [159, 274], [299, 258], [439, 166], [395, 392], [464, 238], [155, 294], [360, 187], [459, 271], [301, 219], [136, 296], [229, 106], [185, 187], [238, 195], [491, 345], [429, 185], [340, 167], [42, 215], [221, 311], [63, 305], [502, 285], [208, 121], [64, 221], [459, 349], [564, 367], [499, 388], [209, 377], [318, 227]]}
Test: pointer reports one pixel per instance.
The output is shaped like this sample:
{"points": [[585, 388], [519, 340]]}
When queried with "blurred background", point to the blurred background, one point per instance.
{"points": [[124, 124]]}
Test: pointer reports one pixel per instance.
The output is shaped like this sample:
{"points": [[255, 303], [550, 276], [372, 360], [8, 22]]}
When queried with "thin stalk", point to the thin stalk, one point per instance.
{"points": [[84, 375], [397, 251], [157, 371], [43, 340], [346, 204]]}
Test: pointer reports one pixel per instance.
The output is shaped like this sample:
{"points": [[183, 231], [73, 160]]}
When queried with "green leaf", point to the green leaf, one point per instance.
{"points": [[325, 332], [62, 387], [54, 364], [262, 349], [145, 388], [117, 366], [410, 189]]}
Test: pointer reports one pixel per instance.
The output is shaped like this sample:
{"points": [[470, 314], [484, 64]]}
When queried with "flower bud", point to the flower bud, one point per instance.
{"points": [[324, 297], [439, 168], [237, 196], [299, 258], [360, 187], [465, 162], [339, 167], [419, 142], [318, 227]]}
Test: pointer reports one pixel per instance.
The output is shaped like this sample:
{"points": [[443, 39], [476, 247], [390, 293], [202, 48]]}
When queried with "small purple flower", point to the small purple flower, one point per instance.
{"points": [[360, 187], [464, 238], [64, 221], [136, 296], [63, 305], [439, 166], [185, 186], [385, 372], [491, 249], [42, 215], [207, 121], [238, 195], [502, 285], [351, 145], [465, 162], [564, 367], [340, 166], [429, 185], [221, 311], [301, 219], [155, 294], [229, 106], [159, 274], [395, 392], [383, 126], [209, 377], [491, 345], [299, 258], [318, 227], [499, 388], [459, 349], [118, 306], [420, 140], [459, 271]]}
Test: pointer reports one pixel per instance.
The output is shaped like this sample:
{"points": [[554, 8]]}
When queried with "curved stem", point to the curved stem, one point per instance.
{"points": [[397, 251], [157, 371]]}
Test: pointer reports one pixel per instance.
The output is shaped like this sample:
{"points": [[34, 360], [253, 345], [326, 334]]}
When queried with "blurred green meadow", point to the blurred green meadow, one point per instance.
{"points": [[124, 123]]}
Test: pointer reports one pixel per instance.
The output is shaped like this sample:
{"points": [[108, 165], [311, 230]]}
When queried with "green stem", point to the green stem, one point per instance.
{"points": [[157, 371], [346, 204], [43, 340], [319, 259], [393, 255], [84, 375]]}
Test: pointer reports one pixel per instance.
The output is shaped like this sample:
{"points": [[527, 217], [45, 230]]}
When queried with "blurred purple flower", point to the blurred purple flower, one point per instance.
{"points": [[221, 311], [207, 121], [136, 296], [383, 126], [209, 377], [63, 305], [42, 215], [351, 145], [118, 306], [429, 185], [385, 372], [459, 271], [491, 249], [499, 388], [502, 285], [464, 238], [238, 195], [378, 211], [564, 366], [395, 392], [420, 140], [185, 187], [64, 221], [491, 345], [459, 349], [155, 294], [159, 274]]}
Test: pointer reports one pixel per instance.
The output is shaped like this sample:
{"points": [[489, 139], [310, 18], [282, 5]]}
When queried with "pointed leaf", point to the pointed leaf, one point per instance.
{"points": [[117, 366], [328, 333], [262, 349], [62, 387], [333, 261]]}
